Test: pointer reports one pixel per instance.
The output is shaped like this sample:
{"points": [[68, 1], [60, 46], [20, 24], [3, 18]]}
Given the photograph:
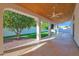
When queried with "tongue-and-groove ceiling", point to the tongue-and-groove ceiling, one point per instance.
{"points": [[46, 9]]}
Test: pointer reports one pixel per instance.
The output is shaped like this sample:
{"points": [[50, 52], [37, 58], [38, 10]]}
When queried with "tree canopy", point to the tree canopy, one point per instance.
{"points": [[17, 22], [44, 25]]}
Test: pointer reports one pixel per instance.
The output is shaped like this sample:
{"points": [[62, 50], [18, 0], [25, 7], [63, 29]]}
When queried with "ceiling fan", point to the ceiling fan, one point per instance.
{"points": [[54, 14]]}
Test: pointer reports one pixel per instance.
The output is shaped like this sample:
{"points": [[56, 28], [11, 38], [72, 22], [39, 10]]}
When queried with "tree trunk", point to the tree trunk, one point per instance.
{"points": [[17, 35]]}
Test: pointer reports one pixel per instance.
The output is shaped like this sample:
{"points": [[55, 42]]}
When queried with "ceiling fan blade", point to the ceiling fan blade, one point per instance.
{"points": [[59, 14], [54, 16]]}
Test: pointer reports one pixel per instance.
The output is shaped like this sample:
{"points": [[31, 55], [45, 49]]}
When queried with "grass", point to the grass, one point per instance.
{"points": [[27, 36]]}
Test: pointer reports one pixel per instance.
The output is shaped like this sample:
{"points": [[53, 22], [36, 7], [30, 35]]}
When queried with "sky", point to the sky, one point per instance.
{"points": [[68, 23]]}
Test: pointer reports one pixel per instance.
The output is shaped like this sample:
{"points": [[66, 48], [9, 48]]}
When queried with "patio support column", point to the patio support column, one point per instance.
{"points": [[56, 28], [49, 30], [1, 32], [38, 29]]}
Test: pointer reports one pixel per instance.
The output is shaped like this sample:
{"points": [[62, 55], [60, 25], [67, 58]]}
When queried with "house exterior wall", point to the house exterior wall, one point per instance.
{"points": [[76, 24]]}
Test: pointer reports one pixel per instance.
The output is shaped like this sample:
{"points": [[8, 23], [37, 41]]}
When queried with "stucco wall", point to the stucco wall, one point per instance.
{"points": [[76, 24]]}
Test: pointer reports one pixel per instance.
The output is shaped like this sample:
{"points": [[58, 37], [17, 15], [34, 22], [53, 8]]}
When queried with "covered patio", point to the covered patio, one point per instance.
{"points": [[52, 13]]}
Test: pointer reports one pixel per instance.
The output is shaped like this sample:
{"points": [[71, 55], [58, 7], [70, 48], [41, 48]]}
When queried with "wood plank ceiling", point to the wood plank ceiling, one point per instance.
{"points": [[46, 9]]}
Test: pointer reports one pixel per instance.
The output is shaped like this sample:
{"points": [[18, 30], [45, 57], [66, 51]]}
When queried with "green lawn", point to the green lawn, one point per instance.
{"points": [[27, 36]]}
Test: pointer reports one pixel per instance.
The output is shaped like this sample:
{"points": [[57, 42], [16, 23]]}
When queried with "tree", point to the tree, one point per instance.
{"points": [[17, 22], [44, 25]]}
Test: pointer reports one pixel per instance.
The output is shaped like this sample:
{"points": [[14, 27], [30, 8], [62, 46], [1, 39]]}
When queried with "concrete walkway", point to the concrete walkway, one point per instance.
{"points": [[63, 45], [14, 43]]}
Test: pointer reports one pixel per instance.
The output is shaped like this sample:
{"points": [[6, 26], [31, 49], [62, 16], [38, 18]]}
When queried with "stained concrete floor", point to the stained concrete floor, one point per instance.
{"points": [[63, 45]]}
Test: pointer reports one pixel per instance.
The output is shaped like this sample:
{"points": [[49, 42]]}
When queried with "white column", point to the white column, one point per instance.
{"points": [[56, 28], [49, 30], [38, 29], [1, 32]]}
